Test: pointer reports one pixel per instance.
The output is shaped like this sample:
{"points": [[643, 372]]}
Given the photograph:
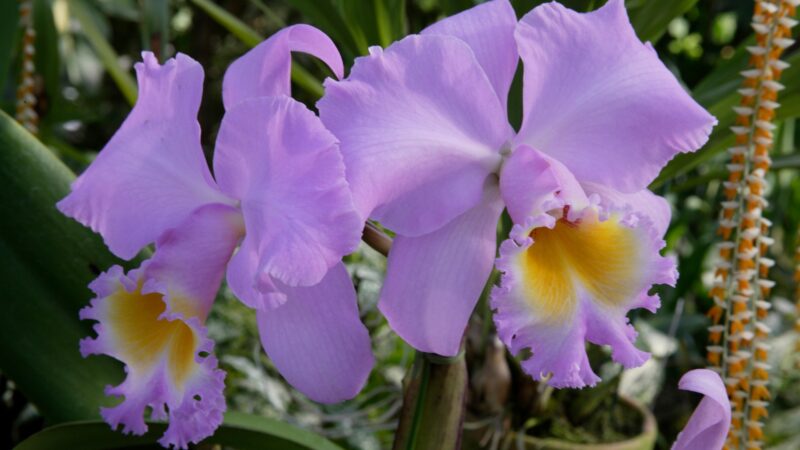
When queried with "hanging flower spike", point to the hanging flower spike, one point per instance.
{"points": [[737, 337], [151, 183], [708, 426], [430, 154], [26, 113]]}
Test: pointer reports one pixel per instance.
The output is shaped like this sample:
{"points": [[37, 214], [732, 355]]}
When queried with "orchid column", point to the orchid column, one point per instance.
{"points": [[737, 338]]}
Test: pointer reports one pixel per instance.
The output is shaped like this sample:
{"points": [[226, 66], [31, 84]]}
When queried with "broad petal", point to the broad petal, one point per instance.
{"points": [[152, 174], [569, 281], [599, 100], [488, 29], [420, 129], [643, 202], [709, 424], [277, 157], [533, 183], [316, 338], [434, 281], [169, 364], [189, 261], [265, 70]]}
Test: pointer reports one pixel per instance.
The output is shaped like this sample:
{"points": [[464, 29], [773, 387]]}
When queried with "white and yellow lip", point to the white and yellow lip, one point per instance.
{"points": [[168, 357], [573, 279], [602, 259]]}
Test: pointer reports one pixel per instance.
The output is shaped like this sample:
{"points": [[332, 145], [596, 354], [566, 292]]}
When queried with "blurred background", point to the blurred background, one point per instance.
{"points": [[83, 87]]}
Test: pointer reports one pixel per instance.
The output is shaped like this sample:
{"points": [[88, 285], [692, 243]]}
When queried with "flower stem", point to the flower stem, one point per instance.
{"points": [[433, 404]]}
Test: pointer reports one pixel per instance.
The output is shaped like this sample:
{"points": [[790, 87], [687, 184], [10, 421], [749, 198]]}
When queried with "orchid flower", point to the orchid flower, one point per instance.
{"points": [[708, 427], [278, 195], [430, 154]]}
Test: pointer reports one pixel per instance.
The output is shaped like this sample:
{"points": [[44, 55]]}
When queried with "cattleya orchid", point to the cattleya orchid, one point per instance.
{"points": [[431, 155], [278, 195]]}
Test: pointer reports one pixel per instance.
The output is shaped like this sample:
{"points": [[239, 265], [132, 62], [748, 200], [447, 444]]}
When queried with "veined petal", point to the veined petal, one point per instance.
{"points": [[168, 359], [420, 128], [488, 29], [709, 424], [316, 338], [567, 281], [277, 157], [265, 70], [434, 281], [533, 183], [152, 172], [599, 100], [643, 202]]}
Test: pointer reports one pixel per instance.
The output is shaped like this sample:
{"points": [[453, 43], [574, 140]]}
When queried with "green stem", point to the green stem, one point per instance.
{"points": [[432, 417]]}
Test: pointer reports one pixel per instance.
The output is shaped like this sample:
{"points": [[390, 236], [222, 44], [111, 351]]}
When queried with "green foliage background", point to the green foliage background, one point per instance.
{"points": [[84, 54]]}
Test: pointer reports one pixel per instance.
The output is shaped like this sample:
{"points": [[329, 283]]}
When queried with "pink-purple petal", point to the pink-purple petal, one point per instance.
{"points": [[599, 100], [709, 424], [434, 281], [189, 261], [265, 70], [643, 202], [316, 338], [420, 128], [152, 174], [276, 157], [533, 183], [488, 29]]}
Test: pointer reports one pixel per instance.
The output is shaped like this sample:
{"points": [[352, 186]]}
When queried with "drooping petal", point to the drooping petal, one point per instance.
{"points": [[434, 281], [532, 183], [152, 172], [488, 29], [420, 128], [709, 424], [168, 359], [190, 260], [316, 338], [277, 157], [644, 202], [599, 100], [569, 281], [265, 70]]}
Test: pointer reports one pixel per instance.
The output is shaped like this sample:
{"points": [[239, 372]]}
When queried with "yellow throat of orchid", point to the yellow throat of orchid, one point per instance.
{"points": [[145, 339], [600, 259]]}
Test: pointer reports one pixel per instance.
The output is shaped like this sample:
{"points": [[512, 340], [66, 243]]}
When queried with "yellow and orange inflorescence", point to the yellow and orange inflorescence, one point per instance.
{"points": [[26, 97], [737, 337]]}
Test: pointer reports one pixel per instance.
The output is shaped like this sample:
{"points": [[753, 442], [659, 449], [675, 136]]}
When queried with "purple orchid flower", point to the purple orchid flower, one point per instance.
{"points": [[278, 195], [430, 154], [708, 427]]}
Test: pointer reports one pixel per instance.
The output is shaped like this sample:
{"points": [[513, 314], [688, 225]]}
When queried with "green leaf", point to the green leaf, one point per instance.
{"points": [[9, 34], [251, 38], [719, 96], [48, 260], [240, 431], [651, 18], [105, 52], [47, 58]]}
